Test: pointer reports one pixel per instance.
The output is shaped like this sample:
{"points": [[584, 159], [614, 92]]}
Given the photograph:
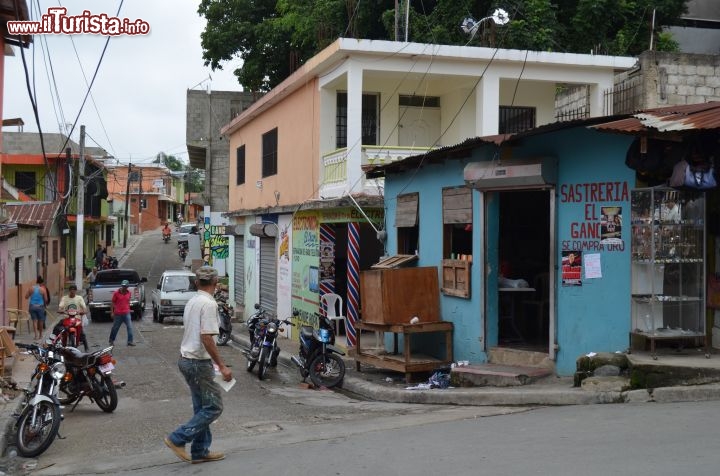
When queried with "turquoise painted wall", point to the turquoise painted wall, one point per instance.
{"points": [[592, 317]]}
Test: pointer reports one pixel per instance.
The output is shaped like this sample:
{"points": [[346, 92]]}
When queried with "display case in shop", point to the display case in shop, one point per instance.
{"points": [[668, 268]]}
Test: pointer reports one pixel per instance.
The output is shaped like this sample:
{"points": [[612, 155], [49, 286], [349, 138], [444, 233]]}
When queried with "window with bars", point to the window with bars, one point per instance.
{"points": [[369, 117], [269, 153], [240, 165], [516, 119]]}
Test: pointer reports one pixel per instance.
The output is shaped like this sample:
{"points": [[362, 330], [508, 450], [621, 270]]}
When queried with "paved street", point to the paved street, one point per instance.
{"points": [[155, 399], [276, 427]]}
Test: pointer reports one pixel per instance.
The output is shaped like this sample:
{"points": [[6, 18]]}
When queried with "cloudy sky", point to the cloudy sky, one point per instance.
{"points": [[137, 103]]}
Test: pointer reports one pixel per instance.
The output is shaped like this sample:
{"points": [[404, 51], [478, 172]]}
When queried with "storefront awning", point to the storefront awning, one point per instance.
{"points": [[503, 175]]}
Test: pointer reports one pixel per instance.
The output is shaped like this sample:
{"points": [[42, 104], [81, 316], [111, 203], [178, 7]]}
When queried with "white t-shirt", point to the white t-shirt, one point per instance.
{"points": [[200, 317], [76, 302]]}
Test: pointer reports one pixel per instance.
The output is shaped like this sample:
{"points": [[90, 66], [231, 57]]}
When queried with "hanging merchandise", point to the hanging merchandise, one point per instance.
{"points": [[713, 291]]}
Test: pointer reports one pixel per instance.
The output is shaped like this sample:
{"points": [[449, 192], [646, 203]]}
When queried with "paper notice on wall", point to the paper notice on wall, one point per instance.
{"points": [[592, 265]]}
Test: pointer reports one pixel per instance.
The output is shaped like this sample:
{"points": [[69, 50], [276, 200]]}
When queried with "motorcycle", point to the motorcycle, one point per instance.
{"points": [[72, 324], [182, 250], [318, 356], [226, 312], [110, 262], [38, 422], [89, 375], [264, 349], [166, 237]]}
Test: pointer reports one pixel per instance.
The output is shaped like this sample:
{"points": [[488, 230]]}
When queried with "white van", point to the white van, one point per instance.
{"points": [[173, 291]]}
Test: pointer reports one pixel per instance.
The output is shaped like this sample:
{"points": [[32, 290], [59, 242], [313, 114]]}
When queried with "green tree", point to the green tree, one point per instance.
{"points": [[275, 37], [169, 161], [194, 180]]}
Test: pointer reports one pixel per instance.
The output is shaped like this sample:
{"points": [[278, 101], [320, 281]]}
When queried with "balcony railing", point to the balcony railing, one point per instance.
{"points": [[334, 164]]}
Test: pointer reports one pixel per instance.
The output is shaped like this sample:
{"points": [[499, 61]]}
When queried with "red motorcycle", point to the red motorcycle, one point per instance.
{"points": [[70, 329]]}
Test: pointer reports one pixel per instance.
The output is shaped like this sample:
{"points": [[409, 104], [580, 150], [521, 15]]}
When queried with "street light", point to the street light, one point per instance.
{"points": [[469, 25]]}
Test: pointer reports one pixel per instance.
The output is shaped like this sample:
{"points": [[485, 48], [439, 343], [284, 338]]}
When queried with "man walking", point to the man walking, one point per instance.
{"points": [[120, 310], [197, 354]]}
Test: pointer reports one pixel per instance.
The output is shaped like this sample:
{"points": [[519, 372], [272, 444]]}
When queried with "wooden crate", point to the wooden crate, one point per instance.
{"points": [[394, 296]]}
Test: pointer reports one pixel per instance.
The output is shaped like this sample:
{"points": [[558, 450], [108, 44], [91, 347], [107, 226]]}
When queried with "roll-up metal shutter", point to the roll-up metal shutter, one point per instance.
{"points": [[268, 275], [239, 270]]}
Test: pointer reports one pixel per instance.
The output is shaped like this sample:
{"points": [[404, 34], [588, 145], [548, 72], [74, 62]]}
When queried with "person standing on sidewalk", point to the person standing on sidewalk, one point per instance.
{"points": [[38, 296], [120, 310], [197, 354]]}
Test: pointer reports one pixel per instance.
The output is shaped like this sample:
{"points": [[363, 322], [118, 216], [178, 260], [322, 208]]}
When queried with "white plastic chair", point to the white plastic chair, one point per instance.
{"points": [[333, 305]]}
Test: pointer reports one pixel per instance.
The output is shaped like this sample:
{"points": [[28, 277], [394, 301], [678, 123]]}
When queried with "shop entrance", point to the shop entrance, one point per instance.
{"points": [[523, 239]]}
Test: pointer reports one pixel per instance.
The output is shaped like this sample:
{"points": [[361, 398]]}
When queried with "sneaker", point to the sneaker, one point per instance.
{"points": [[131, 344], [211, 456], [178, 450]]}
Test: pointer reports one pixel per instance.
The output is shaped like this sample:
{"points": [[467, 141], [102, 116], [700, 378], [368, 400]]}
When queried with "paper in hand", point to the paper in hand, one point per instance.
{"points": [[221, 381]]}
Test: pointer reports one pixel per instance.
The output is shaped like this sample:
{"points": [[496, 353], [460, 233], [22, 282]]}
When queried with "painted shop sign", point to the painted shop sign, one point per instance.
{"points": [[600, 226]]}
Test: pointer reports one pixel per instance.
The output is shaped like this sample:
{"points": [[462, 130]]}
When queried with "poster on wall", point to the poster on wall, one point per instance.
{"points": [[305, 239], [610, 225], [572, 268]]}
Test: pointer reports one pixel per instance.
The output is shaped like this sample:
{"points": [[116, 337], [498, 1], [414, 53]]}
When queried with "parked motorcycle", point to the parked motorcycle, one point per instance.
{"points": [[74, 333], [318, 357], [39, 420], [264, 350], [89, 375], [226, 312]]}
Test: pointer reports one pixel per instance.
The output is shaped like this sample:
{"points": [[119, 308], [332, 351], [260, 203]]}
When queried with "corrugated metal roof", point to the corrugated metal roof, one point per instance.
{"points": [[705, 116], [8, 230], [39, 214]]}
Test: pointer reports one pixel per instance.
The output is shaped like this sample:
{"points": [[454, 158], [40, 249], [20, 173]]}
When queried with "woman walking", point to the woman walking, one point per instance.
{"points": [[38, 296]]}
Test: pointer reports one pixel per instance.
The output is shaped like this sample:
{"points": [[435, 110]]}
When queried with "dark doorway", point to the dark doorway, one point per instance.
{"points": [[524, 284]]}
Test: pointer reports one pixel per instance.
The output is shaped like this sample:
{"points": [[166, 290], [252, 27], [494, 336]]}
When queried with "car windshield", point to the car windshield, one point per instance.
{"points": [[179, 283], [186, 228]]}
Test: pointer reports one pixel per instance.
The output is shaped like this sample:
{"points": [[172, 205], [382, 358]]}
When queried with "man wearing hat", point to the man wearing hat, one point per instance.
{"points": [[197, 354], [120, 310]]}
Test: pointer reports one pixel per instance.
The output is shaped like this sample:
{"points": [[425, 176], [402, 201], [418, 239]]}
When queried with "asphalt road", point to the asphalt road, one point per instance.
{"points": [[155, 400]]}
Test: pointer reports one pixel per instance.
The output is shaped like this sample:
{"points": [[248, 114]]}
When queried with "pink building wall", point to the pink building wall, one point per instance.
{"points": [[297, 119]]}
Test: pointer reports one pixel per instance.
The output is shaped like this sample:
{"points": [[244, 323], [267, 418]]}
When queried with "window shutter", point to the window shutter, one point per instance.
{"points": [[457, 205], [406, 214]]}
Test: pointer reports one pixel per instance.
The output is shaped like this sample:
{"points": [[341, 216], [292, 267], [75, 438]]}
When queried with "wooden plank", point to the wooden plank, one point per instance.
{"points": [[457, 205], [6, 341], [406, 213], [394, 261]]}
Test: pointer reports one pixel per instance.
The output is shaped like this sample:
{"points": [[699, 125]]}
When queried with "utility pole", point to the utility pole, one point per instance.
{"points": [[80, 213], [140, 199], [127, 205]]}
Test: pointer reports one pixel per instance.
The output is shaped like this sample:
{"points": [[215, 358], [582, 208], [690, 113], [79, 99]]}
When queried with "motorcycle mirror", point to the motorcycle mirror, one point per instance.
{"points": [[257, 306], [296, 313]]}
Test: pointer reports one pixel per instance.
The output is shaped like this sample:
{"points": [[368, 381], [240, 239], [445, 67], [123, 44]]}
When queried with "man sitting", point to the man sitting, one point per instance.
{"points": [[166, 230]]}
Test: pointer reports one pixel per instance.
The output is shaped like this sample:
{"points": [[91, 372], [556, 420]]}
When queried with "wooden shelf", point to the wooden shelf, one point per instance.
{"points": [[407, 362]]}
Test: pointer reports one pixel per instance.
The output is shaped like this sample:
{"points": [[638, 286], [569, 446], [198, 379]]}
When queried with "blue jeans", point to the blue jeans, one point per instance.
{"points": [[207, 406], [119, 320]]}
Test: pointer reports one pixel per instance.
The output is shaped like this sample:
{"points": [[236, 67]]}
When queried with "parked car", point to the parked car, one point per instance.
{"points": [[173, 291], [107, 281], [185, 230]]}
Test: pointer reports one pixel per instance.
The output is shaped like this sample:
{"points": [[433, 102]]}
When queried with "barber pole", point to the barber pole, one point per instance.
{"points": [[353, 282]]}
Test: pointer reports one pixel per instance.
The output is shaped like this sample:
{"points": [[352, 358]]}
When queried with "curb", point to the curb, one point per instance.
{"points": [[525, 395]]}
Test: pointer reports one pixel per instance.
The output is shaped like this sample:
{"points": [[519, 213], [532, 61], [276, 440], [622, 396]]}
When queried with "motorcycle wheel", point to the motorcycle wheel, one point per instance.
{"points": [[274, 357], [105, 392], [66, 393], [72, 341], [250, 363], [33, 439], [327, 371], [222, 338], [263, 362]]}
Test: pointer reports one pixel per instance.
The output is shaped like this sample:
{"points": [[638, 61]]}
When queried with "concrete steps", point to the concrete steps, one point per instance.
{"points": [[506, 368]]}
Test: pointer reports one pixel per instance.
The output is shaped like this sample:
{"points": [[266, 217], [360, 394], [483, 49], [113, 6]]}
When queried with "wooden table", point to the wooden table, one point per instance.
{"points": [[407, 363]]}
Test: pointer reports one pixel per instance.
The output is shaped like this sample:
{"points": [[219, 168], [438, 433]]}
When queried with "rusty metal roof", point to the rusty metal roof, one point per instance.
{"points": [[40, 214], [705, 116]]}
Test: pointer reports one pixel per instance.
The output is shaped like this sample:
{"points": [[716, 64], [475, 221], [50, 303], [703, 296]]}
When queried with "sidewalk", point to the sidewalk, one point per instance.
{"points": [[384, 385]]}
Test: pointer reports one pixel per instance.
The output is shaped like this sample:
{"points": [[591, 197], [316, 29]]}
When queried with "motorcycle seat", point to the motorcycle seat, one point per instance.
{"points": [[77, 357], [306, 331]]}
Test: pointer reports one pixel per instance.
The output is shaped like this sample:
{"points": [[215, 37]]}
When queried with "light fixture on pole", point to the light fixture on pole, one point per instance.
{"points": [[470, 26]]}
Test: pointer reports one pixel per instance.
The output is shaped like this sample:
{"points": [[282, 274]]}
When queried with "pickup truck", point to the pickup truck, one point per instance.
{"points": [[107, 281]]}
